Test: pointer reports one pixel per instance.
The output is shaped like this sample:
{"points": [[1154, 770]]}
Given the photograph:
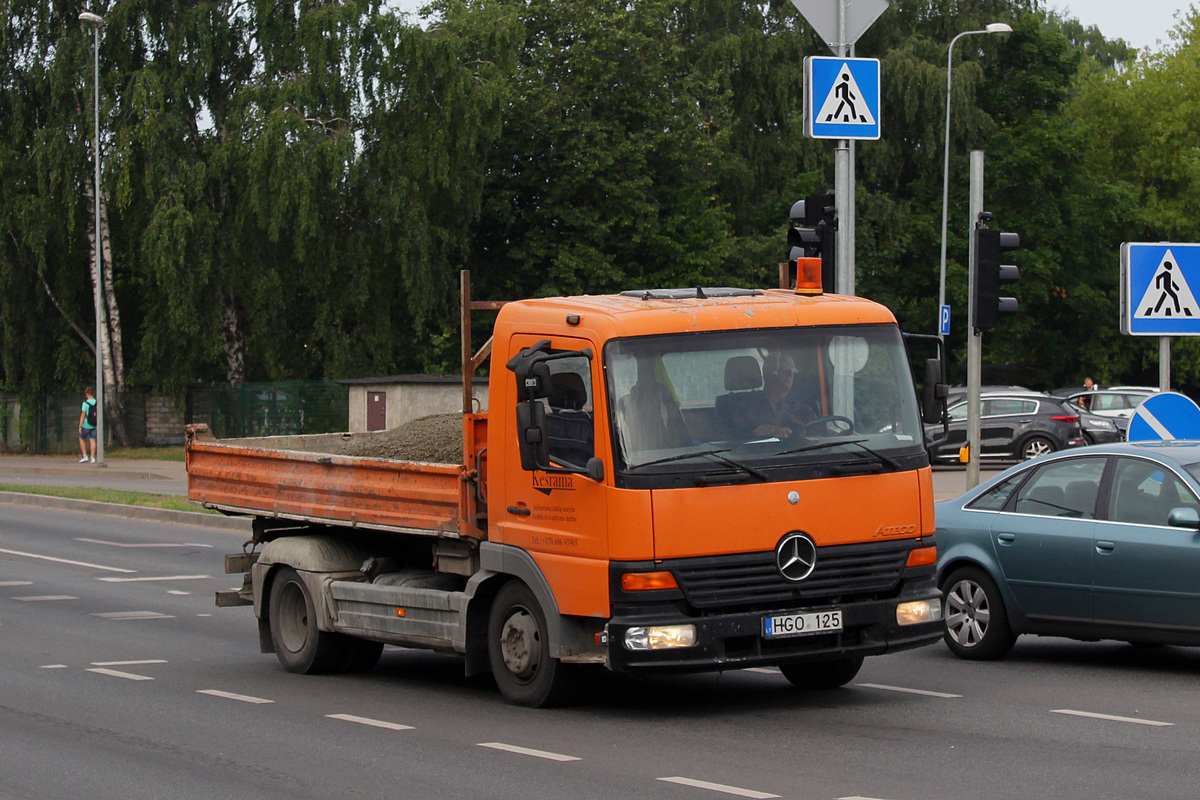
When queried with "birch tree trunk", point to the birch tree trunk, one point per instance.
{"points": [[110, 322]]}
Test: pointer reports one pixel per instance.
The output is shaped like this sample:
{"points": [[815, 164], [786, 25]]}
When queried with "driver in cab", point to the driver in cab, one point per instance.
{"points": [[773, 411]]}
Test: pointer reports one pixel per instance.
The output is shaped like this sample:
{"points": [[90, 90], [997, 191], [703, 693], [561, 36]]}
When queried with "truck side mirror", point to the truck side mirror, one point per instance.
{"points": [[532, 441], [934, 392]]}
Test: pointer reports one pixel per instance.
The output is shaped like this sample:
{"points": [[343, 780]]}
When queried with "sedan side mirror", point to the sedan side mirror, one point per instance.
{"points": [[1184, 517]]}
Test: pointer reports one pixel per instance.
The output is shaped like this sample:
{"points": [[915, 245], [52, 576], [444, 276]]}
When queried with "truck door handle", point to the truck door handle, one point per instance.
{"points": [[1006, 538], [1105, 547], [524, 512]]}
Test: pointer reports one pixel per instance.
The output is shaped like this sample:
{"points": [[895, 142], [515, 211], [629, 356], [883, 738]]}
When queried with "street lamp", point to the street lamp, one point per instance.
{"points": [[96, 21], [995, 27]]}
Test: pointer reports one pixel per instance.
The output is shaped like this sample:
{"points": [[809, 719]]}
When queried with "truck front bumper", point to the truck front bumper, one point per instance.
{"points": [[736, 640]]}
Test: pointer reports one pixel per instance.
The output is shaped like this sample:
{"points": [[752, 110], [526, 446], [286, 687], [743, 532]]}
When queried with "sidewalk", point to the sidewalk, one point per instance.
{"points": [[155, 477], [132, 475]]}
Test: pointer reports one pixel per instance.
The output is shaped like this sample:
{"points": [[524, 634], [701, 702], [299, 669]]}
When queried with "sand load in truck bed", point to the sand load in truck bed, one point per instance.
{"points": [[435, 439]]}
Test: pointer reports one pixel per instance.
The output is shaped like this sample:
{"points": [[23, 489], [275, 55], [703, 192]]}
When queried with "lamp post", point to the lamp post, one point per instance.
{"points": [[995, 27], [96, 21]]}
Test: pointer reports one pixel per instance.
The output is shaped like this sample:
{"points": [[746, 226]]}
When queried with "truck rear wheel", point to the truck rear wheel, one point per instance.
{"points": [[299, 645], [822, 674], [519, 651]]}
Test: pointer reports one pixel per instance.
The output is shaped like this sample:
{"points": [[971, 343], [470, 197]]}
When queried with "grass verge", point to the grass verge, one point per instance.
{"points": [[170, 502]]}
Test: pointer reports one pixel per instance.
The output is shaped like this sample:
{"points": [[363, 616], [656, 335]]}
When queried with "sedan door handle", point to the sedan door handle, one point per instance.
{"points": [[1105, 548], [1006, 538]]}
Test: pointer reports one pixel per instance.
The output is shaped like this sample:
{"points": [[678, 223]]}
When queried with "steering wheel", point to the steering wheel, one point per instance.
{"points": [[844, 424]]}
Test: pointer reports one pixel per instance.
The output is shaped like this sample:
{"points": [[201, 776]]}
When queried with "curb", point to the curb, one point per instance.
{"points": [[71, 471], [239, 525]]}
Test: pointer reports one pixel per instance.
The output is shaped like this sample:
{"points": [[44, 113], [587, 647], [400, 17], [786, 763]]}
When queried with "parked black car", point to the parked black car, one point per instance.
{"points": [[1013, 426]]}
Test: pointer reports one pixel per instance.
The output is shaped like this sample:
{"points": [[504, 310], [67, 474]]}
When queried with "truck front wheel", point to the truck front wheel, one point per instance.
{"points": [[519, 651], [822, 674], [299, 645]]}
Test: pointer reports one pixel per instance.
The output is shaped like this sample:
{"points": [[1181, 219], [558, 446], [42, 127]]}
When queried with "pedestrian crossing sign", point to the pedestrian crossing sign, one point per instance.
{"points": [[1157, 298], [841, 98]]}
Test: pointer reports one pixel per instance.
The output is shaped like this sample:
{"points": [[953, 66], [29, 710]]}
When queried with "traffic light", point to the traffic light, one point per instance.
{"points": [[814, 220], [990, 275]]}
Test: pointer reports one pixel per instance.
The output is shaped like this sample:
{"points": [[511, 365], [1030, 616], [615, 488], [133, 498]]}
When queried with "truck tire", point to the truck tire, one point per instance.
{"points": [[299, 645], [519, 651], [822, 674], [361, 655]]}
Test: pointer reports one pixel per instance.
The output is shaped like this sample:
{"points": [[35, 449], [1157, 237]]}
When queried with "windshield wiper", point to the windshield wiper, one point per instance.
{"points": [[819, 446], [716, 453], [891, 462]]}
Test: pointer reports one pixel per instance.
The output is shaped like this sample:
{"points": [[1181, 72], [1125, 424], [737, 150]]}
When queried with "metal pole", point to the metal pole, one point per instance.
{"points": [[995, 27], [1164, 363], [974, 337], [843, 191]]}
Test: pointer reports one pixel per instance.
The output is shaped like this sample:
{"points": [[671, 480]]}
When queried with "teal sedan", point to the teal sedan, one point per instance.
{"points": [[1098, 542]]}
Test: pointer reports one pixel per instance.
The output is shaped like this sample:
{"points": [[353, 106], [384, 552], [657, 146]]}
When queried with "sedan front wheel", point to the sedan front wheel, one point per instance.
{"points": [[977, 626]]}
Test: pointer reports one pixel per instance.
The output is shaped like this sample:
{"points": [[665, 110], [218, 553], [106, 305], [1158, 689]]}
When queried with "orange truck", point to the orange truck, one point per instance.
{"points": [[664, 481]]}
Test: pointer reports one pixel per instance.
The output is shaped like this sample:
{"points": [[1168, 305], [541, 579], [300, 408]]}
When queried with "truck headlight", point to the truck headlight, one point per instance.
{"points": [[918, 611], [660, 637]]}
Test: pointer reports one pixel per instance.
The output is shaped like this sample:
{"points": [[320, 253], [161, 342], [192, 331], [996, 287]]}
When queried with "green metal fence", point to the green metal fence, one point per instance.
{"points": [[270, 409]]}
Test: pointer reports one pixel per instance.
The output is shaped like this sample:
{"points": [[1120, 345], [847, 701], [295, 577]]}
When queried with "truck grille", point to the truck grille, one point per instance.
{"points": [[751, 579]]}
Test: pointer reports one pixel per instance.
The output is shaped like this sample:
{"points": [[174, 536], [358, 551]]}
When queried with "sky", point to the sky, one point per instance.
{"points": [[1141, 23]]}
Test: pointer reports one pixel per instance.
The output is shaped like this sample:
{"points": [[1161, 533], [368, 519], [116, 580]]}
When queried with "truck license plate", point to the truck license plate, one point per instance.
{"points": [[781, 625]]}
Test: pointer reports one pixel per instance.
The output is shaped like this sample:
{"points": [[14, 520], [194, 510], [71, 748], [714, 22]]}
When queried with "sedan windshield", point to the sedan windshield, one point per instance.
{"points": [[762, 399]]}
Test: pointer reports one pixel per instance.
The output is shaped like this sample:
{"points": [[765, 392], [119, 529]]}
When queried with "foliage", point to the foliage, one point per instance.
{"points": [[293, 187]]}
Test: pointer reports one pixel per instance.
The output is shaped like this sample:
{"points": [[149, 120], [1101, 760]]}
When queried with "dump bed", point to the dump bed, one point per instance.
{"points": [[303, 478]]}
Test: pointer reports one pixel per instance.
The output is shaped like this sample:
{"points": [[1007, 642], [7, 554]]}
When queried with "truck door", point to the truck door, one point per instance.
{"points": [[560, 518]]}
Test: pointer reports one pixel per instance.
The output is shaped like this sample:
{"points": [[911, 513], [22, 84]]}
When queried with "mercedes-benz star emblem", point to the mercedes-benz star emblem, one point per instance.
{"points": [[795, 556]]}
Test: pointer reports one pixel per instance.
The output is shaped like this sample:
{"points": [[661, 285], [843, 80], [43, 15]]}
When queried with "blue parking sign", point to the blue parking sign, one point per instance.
{"points": [[841, 98]]}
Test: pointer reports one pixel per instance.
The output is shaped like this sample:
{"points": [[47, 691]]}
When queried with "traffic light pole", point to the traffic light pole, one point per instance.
{"points": [[974, 335]]}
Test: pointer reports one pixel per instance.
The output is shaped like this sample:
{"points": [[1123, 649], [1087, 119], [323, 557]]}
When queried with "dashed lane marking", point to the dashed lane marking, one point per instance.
{"points": [[718, 787], [128, 663], [151, 544], [526, 751], [54, 666], [129, 676], [66, 561], [152, 578], [244, 698], [16, 583], [1110, 717], [41, 597], [133, 615], [374, 723], [905, 689]]}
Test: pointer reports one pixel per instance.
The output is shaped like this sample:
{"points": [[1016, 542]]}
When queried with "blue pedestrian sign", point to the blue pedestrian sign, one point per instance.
{"points": [[1165, 416], [1157, 298], [841, 98], [944, 324]]}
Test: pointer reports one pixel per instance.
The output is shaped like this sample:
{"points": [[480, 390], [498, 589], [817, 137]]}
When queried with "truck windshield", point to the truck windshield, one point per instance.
{"points": [[769, 398]]}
